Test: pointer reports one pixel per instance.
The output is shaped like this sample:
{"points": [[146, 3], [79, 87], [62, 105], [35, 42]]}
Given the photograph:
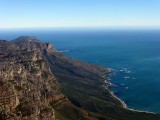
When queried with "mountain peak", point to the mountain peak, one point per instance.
{"points": [[26, 38]]}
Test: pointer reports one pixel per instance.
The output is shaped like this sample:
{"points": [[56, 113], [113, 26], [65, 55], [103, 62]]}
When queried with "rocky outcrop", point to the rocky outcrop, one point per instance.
{"points": [[26, 82], [8, 97]]}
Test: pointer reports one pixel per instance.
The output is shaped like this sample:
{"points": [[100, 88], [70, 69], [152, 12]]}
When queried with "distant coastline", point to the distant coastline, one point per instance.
{"points": [[124, 105]]}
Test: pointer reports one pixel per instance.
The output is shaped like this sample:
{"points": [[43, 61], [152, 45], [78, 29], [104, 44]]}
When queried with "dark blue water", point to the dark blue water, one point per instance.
{"points": [[133, 54]]}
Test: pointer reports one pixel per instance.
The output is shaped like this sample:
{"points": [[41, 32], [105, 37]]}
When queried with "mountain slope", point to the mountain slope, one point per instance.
{"points": [[38, 82]]}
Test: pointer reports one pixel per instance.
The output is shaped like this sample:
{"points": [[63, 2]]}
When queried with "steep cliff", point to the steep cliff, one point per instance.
{"points": [[38, 82], [26, 82]]}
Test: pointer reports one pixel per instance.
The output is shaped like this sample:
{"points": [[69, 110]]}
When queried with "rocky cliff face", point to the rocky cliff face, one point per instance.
{"points": [[39, 83], [26, 83]]}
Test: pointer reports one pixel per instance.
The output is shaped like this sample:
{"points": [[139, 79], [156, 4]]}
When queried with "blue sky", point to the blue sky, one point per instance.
{"points": [[79, 13]]}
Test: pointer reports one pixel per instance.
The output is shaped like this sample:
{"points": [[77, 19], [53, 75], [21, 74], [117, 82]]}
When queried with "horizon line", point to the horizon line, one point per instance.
{"points": [[83, 27]]}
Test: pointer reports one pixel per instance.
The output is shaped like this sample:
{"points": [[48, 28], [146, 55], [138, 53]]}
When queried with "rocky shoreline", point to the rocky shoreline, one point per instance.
{"points": [[124, 105], [121, 101]]}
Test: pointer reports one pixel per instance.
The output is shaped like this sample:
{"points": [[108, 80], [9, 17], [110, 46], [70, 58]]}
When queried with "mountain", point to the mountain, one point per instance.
{"points": [[39, 83]]}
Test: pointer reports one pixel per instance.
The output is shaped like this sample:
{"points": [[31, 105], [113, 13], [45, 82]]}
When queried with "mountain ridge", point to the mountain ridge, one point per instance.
{"points": [[46, 84]]}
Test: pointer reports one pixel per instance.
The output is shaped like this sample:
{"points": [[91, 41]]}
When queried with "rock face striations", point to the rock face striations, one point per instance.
{"points": [[26, 82], [39, 83]]}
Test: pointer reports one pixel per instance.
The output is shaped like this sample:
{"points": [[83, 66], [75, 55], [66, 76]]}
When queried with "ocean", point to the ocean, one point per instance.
{"points": [[133, 54]]}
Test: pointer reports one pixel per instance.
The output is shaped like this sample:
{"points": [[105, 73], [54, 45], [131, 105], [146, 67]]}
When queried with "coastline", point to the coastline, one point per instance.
{"points": [[106, 81], [124, 105]]}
